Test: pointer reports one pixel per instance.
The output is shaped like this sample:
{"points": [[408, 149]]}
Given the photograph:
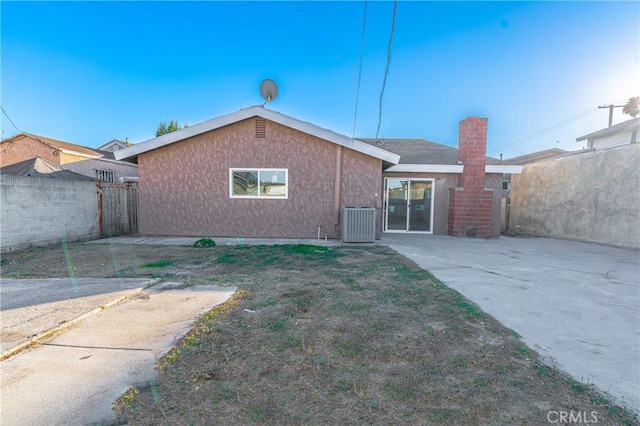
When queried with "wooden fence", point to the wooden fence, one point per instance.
{"points": [[117, 208]]}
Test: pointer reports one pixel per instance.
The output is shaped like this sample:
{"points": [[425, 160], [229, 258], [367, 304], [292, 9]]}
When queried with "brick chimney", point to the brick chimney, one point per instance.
{"points": [[470, 204]]}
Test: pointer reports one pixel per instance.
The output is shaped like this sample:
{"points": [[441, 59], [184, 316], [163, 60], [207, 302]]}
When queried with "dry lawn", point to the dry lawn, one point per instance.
{"points": [[349, 335]]}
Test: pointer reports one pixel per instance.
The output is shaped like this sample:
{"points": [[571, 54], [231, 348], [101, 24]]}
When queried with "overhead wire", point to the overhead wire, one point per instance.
{"points": [[386, 71], [364, 24], [9, 118], [546, 130]]}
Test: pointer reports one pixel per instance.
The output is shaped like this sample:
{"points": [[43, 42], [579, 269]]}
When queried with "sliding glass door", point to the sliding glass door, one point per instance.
{"points": [[408, 205]]}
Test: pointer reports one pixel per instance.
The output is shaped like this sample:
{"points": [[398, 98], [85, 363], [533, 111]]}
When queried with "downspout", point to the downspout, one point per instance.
{"points": [[336, 186]]}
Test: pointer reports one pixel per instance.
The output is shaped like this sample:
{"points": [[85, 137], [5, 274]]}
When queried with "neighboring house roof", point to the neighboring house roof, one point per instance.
{"points": [[421, 155], [114, 145], [628, 126], [66, 147], [256, 111], [39, 167], [534, 157]]}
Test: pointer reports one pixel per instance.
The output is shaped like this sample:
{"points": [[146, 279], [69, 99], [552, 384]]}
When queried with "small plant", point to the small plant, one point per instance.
{"points": [[130, 395], [191, 340], [172, 356], [204, 243]]}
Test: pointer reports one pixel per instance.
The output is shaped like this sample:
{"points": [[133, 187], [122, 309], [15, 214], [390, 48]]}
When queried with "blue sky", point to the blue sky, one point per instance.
{"points": [[89, 72]]}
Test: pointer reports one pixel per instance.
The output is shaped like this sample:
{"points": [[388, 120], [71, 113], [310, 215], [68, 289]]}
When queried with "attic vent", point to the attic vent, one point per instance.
{"points": [[261, 128]]}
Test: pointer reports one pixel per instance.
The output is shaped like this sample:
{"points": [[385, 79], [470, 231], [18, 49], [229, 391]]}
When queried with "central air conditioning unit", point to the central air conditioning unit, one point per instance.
{"points": [[358, 224]]}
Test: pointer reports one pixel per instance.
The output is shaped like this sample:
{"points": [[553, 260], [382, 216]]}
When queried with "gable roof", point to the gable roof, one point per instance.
{"points": [[256, 111], [39, 167], [421, 151], [632, 125], [114, 145], [66, 147], [421, 155]]}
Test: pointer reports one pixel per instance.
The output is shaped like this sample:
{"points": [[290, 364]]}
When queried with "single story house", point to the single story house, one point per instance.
{"points": [[624, 133], [259, 173], [94, 163]]}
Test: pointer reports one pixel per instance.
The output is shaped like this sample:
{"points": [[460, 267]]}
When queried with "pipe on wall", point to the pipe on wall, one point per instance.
{"points": [[336, 186]]}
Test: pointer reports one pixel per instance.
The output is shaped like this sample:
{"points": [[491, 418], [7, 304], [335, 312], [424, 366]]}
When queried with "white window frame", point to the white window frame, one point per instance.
{"points": [[102, 173], [259, 170]]}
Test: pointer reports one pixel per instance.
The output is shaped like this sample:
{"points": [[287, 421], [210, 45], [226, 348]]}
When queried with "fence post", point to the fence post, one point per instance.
{"points": [[99, 189]]}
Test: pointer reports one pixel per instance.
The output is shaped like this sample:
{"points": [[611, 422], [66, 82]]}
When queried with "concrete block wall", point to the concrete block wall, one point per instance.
{"points": [[593, 197], [38, 211], [470, 203]]}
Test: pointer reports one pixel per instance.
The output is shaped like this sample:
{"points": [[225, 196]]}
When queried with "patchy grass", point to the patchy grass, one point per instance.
{"points": [[158, 264], [349, 335]]}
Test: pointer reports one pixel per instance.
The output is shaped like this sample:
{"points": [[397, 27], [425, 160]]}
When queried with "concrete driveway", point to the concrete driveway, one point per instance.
{"points": [[576, 304], [111, 340], [30, 309]]}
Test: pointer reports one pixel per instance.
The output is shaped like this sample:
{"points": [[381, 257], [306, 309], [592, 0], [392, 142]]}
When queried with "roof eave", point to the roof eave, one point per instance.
{"points": [[256, 111], [451, 168]]}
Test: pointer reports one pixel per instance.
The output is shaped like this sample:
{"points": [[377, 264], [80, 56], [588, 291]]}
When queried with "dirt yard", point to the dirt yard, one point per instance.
{"points": [[328, 336]]}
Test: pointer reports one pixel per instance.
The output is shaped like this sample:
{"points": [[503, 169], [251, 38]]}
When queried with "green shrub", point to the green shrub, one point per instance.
{"points": [[204, 242]]}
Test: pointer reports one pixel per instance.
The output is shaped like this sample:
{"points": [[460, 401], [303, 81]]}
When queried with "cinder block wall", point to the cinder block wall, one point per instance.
{"points": [[38, 211], [594, 196]]}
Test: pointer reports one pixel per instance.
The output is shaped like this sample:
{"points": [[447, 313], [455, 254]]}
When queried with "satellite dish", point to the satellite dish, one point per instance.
{"points": [[269, 90]]}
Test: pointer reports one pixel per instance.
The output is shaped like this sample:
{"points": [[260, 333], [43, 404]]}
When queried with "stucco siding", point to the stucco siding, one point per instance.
{"points": [[184, 187], [613, 141], [89, 167], [70, 158], [589, 197], [362, 183], [25, 148], [494, 181], [442, 183]]}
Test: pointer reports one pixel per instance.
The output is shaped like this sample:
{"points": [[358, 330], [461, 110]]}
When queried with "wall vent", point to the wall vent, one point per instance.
{"points": [[261, 128], [358, 224]]}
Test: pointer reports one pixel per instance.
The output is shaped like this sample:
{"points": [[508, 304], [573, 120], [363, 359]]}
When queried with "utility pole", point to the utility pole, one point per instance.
{"points": [[611, 107]]}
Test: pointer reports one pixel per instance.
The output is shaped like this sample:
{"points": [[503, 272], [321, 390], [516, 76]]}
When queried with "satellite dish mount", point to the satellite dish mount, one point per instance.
{"points": [[268, 90]]}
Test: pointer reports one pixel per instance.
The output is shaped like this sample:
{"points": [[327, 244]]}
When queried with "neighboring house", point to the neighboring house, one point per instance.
{"points": [[624, 133], [90, 162], [114, 145], [259, 173], [534, 157], [39, 167]]}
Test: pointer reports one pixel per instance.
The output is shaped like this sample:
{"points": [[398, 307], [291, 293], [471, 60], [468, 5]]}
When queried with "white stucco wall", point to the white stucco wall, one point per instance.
{"points": [[89, 167], [613, 141], [594, 196]]}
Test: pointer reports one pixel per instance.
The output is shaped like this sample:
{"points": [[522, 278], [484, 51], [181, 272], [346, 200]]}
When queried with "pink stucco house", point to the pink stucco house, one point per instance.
{"points": [[259, 173]]}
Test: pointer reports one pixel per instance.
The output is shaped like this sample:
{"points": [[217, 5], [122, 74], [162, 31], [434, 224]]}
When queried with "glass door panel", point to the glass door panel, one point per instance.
{"points": [[420, 206], [397, 193]]}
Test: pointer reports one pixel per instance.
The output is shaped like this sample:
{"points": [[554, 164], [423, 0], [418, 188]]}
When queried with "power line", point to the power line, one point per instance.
{"points": [[386, 71], [355, 114], [10, 120], [546, 130]]}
